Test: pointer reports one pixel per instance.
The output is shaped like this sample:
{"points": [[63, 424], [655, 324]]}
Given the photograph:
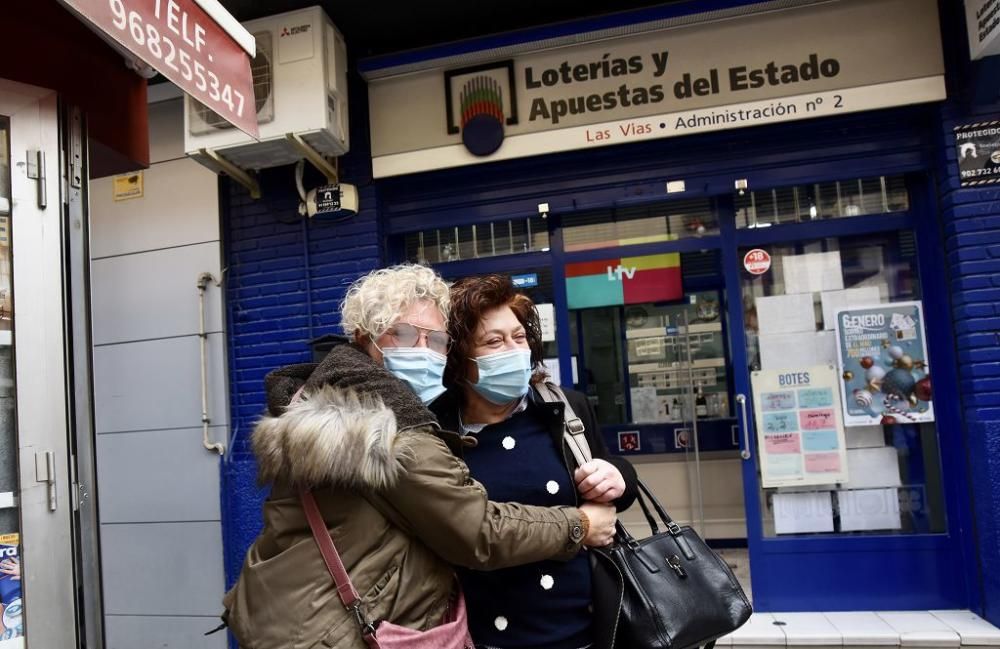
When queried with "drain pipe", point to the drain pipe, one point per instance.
{"points": [[203, 281]]}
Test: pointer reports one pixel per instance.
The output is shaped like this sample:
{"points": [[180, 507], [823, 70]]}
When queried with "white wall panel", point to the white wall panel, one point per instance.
{"points": [[162, 569], [154, 294], [180, 206], [156, 384], [166, 130], [160, 475]]}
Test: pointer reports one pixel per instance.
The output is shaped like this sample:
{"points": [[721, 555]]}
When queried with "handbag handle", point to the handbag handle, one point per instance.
{"points": [[348, 595]]}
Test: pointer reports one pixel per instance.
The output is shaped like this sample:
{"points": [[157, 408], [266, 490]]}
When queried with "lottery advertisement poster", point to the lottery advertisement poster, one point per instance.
{"points": [[883, 363], [800, 435]]}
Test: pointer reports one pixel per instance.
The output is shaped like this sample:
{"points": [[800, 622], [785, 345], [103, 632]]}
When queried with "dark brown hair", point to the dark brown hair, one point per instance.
{"points": [[471, 298]]}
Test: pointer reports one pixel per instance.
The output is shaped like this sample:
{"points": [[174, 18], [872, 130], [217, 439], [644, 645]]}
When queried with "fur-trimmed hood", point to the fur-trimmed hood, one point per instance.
{"points": [[349, 427]]}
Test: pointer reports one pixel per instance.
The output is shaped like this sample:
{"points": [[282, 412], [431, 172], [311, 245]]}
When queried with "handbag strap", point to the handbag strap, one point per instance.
{"points": [[348, 595], [580, 448], [574, 429]]}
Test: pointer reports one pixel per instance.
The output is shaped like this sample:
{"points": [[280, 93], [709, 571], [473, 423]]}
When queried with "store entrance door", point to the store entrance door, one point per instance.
{"points": [[37, 499], [853, 480]]}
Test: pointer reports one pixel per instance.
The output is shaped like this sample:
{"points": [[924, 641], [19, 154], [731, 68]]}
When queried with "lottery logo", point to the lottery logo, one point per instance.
{"points": [[481, 102]]}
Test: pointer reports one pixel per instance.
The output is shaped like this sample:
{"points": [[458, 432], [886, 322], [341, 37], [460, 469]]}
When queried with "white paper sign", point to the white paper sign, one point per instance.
{"points": [[800, 513], [834, 301], [869, 509], [547, 318], [552, 367], [781, 351], [873, 467], [815, 271], [645, 405], [800, 435], [782, 314], [864, 437]]}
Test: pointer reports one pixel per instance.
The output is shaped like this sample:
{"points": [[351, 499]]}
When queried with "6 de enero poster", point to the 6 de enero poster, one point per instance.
{"points": [[800, 435], [882, 353]]}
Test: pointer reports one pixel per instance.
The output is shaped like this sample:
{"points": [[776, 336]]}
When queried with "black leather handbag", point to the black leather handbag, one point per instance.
{"points": [[676, 592], [670, 590]]}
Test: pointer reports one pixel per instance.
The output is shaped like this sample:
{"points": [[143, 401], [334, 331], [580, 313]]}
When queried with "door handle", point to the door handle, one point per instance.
{"points": [[742, 400], [45, 471]]}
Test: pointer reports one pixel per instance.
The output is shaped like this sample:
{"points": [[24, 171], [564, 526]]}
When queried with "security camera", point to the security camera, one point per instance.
{"points": [[336, 201]]}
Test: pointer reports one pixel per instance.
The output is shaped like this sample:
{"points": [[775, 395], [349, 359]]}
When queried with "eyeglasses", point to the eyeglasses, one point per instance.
{"points": [[408, 335]]}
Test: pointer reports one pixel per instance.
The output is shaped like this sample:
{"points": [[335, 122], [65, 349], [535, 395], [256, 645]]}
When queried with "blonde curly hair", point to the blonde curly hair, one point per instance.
{"points": [[376, 300]]}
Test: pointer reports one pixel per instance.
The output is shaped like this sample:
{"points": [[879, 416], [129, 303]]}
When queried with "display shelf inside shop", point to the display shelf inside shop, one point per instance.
{"points": [[673, 332]]}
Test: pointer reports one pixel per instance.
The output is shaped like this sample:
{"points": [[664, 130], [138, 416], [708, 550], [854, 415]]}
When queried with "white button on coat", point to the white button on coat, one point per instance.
{"points": [[500, 623], [552, 487], [509, 442], [548, 582]]}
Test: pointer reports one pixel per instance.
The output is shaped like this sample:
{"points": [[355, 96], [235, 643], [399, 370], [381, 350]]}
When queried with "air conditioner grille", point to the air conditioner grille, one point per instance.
{"points": [[206, 120]]}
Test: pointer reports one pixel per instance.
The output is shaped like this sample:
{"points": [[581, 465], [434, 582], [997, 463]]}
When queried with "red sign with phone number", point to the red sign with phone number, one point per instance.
{"points": [[182, 42]]}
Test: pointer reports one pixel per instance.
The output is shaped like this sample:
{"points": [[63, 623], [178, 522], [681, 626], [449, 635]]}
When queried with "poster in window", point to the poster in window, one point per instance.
{"points": [[883, 363], [800, 435], [10, 588]]}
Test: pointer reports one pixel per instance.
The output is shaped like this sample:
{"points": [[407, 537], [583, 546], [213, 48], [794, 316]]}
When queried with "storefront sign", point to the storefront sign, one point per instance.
{"points": [[800, 435], [757, 261], [181, 41], [883, 364], [978, 148], [982, 21], [626, 280], [771, 66]]}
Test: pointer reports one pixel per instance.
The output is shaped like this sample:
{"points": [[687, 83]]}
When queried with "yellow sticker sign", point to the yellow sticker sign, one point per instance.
{"points": [[128, 186]]}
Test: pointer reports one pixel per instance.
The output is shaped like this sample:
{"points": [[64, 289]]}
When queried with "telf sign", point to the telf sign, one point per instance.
{"points": [[627, 280], [180, 40]]}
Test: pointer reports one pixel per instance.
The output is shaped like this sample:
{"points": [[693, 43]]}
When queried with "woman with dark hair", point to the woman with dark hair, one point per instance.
{"points": [[493, 370], [352, 434]]}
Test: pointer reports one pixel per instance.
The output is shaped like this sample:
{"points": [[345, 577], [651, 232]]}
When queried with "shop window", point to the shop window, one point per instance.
{"points": [[656, 362], [820, 201], [849, 307], [660, 221], [507, 237]]}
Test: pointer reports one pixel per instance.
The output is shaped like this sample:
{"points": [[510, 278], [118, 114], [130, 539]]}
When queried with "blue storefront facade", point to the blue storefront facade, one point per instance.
{"points": [[873, 198]]}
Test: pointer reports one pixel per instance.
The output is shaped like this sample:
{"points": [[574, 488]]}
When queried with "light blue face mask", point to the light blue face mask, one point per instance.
{"points": [[420, 368], [504, 376]]}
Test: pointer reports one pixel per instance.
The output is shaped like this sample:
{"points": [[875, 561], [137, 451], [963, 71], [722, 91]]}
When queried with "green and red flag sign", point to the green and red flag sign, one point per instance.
{"points": [[624, 280]]}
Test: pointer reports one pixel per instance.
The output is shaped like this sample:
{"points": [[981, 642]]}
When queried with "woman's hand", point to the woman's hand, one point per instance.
{"points": [[599, 481], [602, 524]]}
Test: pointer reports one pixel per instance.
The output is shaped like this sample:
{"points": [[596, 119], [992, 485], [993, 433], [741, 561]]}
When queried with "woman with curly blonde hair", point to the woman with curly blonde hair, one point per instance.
{"points": [[393, 493]]}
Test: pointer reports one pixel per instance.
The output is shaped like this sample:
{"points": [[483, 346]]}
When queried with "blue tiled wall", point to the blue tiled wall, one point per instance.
{"points": [[284, 280], [971, 221]]}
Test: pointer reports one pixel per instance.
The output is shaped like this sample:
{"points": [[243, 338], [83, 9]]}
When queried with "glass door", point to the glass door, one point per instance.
{"points": [[842, 447], [37, 590]]}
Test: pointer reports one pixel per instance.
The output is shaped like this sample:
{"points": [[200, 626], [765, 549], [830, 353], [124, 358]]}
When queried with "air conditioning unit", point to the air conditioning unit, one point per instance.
{"points": [[300, 87]]}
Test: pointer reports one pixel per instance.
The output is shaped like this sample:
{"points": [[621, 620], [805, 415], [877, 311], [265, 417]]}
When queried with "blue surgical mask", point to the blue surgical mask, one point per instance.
{"points": [[504, 376], [420, 368]]}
